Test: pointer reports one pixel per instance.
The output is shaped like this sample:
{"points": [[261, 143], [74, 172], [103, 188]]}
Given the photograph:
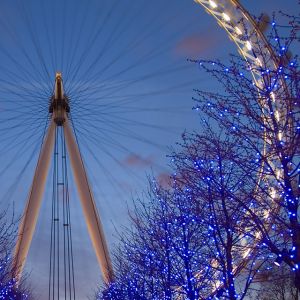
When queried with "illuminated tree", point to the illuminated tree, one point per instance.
{"points": [[8, 285], [235, 187], [206, 166], [263, 117], [189, 242], [159, 256]]}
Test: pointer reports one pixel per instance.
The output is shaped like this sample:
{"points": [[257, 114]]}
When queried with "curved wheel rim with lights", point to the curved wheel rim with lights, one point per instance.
{"points": [[243, 30]]}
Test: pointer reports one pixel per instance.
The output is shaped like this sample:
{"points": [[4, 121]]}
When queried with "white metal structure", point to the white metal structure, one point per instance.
{"points": [[59, 108], [242, 29]]}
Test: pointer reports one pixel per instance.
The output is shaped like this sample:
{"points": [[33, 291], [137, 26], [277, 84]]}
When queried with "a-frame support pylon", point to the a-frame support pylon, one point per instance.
{"points": [[59, 108]]}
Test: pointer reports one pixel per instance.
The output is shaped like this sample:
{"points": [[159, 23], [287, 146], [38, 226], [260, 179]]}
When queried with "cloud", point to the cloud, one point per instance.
{"points": [[197, 44], [136, 160], [164, 180]]}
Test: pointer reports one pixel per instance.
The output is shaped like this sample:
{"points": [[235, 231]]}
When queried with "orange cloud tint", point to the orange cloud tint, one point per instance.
{"points": [[137, 160], [164, 180], [197, 44]]}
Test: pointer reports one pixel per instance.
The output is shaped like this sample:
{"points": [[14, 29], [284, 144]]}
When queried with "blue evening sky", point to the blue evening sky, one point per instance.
{"points": [[125, 69]]}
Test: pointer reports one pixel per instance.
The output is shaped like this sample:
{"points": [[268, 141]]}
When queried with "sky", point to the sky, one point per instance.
{"points": [[125, 70]]}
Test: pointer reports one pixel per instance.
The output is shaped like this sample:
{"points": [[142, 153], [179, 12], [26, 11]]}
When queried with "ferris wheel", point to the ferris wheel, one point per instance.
{"points": [[61, 137]]}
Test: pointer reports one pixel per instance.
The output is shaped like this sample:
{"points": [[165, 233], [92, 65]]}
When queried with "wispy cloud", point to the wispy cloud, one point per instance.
{"points": [[136, 160], [164, 180], [197, 44]]}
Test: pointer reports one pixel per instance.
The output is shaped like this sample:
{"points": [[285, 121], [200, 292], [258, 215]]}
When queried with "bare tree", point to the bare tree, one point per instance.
{"points": [[263, 117], [160, 255], [234, 200], [9, 288], [278, 285], [206, 166], [189, 241]]}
